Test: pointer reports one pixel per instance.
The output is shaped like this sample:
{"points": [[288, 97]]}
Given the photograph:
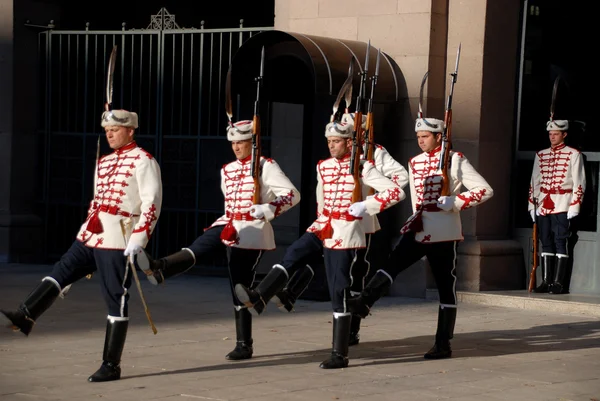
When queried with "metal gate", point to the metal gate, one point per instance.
{"points": [[174, 79]]}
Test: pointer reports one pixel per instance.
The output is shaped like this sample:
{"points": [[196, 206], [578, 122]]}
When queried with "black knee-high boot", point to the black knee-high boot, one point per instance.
{"points": [[354, 329], [114, 342], [339, 351], [157, 271], [299, 281], [36, 303], [548, 263], [258, 297], [562, 264], [445, 331], [243, 332], [374, 290]]}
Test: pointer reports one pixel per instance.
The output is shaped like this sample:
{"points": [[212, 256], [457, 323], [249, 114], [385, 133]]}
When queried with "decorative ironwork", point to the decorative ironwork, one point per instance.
{"points": [[163, 21]]}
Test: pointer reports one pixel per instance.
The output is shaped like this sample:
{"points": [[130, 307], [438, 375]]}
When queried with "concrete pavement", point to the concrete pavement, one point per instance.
{"points": [[500, 353]]}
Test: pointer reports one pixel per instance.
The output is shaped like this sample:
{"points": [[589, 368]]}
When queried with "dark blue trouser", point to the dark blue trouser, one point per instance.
{"points": [[554, 231], [338, 265], [441, 257], [241, 262], [111, 266], [303, 251]]}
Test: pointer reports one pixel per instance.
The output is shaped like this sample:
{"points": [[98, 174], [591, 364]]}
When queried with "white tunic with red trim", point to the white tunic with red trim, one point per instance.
{"points": [[558, 179], [277, 193], [128, 191], [430, 223], [334, 197], [390, 168]]}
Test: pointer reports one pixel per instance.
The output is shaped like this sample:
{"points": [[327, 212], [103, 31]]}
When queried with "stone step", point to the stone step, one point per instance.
{"points": [[522, 299]]}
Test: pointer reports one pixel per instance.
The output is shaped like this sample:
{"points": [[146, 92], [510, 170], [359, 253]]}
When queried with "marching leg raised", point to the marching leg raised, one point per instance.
{"points": [[258, 297], [36, 303], [299, 281]]}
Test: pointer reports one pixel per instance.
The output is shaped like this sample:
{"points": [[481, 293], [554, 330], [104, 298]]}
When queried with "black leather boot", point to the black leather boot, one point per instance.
{"points": [[258, 297], [354, 329], [157, 271], [558, 284], [36, 303], [299, 281], [114, 342], [445, 331], [339, 351], [376, 288], [548, 261], [243, 331]]}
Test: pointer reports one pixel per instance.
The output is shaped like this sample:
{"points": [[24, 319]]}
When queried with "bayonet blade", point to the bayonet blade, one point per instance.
{"points": [[262, 62], [377, 63], [228, 105], [455, 74], [367, 57], [421, 94], [553, 103], [109, 77]]}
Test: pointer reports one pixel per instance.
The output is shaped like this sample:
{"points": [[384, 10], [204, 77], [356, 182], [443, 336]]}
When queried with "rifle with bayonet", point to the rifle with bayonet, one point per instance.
{"points": [[369, 134], [357, 133], [447, 134], [255, 156]]}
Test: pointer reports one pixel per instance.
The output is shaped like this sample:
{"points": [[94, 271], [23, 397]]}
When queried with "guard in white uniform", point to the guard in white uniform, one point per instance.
{"points": [[339, 227], [557, 187], [308, 248], [121, 218], [433, 230], [245, 228]]}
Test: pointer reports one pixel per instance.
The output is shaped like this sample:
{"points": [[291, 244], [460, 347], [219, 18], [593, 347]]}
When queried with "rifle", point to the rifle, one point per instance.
{"points": [[255, 158], [358, 132], [447, 134], [532, 276], [369, 141]]}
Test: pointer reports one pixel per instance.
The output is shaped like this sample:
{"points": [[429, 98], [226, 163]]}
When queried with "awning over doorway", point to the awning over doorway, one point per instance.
{"points": [[327, 59]]}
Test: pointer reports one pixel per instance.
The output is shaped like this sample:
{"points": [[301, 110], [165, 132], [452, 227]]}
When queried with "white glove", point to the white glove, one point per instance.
{"points": [[532, 213], [257, 212], [358, 209], [571, 214], [445, 203], [133, 248]]}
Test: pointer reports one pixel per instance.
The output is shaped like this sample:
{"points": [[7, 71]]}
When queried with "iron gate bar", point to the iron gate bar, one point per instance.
{"points": [[68, 121]]}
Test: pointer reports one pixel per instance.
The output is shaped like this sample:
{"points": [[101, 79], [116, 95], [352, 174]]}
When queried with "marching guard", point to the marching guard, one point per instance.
{"points": [[121, 218], [339, 227], [256, 191], [436, 177]]}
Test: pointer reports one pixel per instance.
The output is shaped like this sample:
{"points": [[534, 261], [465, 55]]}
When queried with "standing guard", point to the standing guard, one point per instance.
{"points": [[558, 185], [256, 191]]}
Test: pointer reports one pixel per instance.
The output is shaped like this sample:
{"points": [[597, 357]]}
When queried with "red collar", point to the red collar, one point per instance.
{"points": [[434, 151], [343, 158], [558, 147], [244, 160], [126, 148]]}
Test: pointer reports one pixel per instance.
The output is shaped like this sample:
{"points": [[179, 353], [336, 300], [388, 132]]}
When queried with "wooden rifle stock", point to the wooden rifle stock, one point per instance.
{"points": [[448, 139], [532, 277], [355, 159], [370, 144], [256, 158]]}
